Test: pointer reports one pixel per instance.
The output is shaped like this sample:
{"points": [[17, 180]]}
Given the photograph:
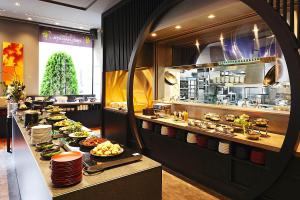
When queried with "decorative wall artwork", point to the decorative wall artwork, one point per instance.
{"points": [[13, 62]]}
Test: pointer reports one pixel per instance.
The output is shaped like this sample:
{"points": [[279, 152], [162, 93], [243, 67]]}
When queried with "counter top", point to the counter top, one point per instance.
{"points": [[87, 181], [273, 143], [77, 103], [230, 107]]}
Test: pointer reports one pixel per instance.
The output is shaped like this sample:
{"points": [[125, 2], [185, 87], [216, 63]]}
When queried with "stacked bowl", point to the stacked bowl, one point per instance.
{"points": [[224, 147], [66, 169], [191, 138], [40, 134]]}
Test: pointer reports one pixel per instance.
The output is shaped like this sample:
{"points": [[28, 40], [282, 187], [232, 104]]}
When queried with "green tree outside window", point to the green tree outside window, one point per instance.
{"points": [[60, 76]]}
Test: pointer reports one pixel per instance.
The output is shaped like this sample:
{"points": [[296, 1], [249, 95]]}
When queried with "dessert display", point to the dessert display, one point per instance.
{"points": [[107, 149]]}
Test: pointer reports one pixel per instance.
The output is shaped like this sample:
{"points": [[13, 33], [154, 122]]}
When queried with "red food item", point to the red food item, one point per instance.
{"points": [[93, 141], [202, 140], [171, 132]]}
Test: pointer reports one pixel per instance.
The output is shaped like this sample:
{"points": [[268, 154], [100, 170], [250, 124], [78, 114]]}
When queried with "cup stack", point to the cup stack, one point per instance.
{"points": [[164, 130], [191, 138], [147, 125], [224, 147], [66, 169], [40, 134]]}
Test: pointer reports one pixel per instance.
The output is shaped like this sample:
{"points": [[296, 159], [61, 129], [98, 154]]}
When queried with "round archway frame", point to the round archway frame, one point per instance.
{"points": [[288, 44]]}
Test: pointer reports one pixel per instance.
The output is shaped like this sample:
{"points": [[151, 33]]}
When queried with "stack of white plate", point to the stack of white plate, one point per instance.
{"points": [[224, 147], [191, 138], [40, 134], [147, 125], [164, 130]]}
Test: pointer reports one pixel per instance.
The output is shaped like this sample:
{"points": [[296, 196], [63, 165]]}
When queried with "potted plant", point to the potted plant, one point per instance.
{"points": [[14, 93]]}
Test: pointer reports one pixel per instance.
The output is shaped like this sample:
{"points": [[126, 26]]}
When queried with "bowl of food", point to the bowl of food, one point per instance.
{"points": [[253, 135], [48, 153], [73, 127], [54, 110], [44, 146], [230, 117], [79, 134], [56, 118], [107, 149], [90, 143], [261, 122], [62, 123]]}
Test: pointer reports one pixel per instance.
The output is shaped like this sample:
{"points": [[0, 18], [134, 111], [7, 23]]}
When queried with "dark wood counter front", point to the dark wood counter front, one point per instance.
{"points": [[139, 180]]}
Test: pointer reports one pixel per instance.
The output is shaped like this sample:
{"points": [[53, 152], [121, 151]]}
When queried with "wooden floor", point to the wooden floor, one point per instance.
{"points": [[174, 188]]}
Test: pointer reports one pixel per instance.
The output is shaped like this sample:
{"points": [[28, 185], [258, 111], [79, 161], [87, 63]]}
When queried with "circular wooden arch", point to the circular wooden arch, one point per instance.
{"points": [[288, 44]]}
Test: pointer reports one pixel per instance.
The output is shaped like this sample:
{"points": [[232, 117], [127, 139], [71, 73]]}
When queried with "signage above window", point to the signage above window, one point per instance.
{"points": [[64, 37]]}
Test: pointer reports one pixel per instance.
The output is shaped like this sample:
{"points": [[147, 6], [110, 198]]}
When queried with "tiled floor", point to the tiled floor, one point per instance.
{"points": [[173, 187]]}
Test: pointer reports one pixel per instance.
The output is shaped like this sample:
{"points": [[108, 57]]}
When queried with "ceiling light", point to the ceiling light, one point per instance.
{"points": [[255, 29], [197, 44], [80, 27], [29, 18], [153, 34], [221, 37], [178, 27], [17, 4], [211, 16], [56, 23]]}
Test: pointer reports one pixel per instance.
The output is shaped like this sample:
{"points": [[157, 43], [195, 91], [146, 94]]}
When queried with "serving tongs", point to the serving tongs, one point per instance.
{"points": [[99, 167]]}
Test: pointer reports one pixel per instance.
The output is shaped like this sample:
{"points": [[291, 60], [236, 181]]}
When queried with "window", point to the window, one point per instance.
{"points": [[65, 63]]}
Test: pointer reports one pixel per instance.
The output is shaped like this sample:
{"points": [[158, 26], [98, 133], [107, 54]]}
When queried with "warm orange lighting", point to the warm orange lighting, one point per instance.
{"points": [[153, 34], [178, 27], [211, 16], [197, 44]]}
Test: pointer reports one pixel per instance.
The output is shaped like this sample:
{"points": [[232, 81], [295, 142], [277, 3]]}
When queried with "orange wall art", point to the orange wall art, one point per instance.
{"points": [[12, 62]]}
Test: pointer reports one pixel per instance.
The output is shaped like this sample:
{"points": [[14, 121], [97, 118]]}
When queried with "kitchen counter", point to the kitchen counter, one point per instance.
{"points": [[139, 180], [273, 143]]}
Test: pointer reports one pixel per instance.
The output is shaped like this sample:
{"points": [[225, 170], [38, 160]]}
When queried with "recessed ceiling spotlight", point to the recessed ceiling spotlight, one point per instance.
{"points": [[56, 23], [211, 16], [178, 27], [153, 34], [80, 27], [29, 18], [17, 4], [197, 44]]}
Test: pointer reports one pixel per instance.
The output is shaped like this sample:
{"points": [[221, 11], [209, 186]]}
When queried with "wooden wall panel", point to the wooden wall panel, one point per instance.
{"points": [[122, 25]]}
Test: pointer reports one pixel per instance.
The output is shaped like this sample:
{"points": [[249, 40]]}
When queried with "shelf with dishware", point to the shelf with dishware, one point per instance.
{"points": [[232, 165]]}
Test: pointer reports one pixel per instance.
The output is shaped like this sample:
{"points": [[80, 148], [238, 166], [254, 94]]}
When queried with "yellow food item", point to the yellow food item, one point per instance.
{"points": [[107, 149]]}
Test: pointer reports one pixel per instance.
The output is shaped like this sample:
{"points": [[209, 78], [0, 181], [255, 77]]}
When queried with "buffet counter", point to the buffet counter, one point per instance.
{"points": [[272, 143], [139, 180]]}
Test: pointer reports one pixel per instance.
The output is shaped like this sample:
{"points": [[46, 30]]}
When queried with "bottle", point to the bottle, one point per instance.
{"points": [[185, 116]]}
